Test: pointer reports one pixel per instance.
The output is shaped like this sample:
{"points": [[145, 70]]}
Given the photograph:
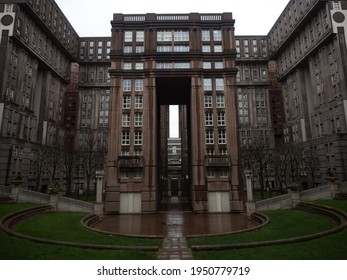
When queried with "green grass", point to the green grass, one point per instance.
{"points": [[339, 204], [283, 224], [66, 226], [13, 248], [332, 247]]}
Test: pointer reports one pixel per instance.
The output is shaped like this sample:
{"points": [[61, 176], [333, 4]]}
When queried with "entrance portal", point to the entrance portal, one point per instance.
{"points": [[174, 153]]}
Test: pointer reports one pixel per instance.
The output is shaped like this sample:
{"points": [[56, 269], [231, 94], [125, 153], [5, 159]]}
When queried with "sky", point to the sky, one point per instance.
{"points": [[92, 18]]}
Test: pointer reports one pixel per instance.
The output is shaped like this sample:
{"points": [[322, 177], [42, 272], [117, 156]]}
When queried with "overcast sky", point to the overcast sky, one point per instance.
{"points": [[92, 18]]}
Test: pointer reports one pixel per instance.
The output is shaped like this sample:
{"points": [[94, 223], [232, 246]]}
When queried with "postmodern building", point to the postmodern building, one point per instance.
{"points": [[161, 60], [286, 89], [308, 42], [37, 46]]}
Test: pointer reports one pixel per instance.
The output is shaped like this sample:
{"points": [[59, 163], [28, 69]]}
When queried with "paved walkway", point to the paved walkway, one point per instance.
{"points": [[174, 225]]}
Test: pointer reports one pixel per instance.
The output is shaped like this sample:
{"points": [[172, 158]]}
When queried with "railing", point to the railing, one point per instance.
{"points": [[130, 161], [278, 202], [135, 18], [73, 205], [172, 17], [26, 196], [323, 192], [217, 161], [5, 191], [211, 17]]}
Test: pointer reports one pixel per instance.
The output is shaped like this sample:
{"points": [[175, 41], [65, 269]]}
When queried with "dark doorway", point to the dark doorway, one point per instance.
{"points": [[173, 154]]}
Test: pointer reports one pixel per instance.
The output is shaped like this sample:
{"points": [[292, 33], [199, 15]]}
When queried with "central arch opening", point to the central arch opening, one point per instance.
{"points": [[174, 142]]}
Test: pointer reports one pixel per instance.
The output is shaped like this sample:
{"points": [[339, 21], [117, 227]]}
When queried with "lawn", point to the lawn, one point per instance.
{"points": [[283, 224], [13, 248], [332, 247], [66, 226]]}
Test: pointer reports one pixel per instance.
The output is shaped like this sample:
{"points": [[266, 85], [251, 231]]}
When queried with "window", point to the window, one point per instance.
{"points": [[127, 66], [138, 102], [125, 152], [165, 48], [138, 152], [220, 101], [164, 36], [8, 8], [139, 66], [126, 102], [181, 48], [126, 138], [128, 36], [208, 101], [126, 85], [181, 65], [140, 36], [124, 173], [222, 138], [221, 119], [217, 35], [125, 120], [205, 35], [137, 173], [210, 172], [128, 49], [138, 85], [206, 48], [218, 65], [219, 84], [207, 84], [138, 138], [209, 137], [218, 48], [208, 119], [336, 5], [206, 65], [138, 120], [140, 49], [181, 36]]}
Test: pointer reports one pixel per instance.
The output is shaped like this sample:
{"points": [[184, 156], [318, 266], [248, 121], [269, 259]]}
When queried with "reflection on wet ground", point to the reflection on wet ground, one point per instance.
{"points": [[174, 224]]}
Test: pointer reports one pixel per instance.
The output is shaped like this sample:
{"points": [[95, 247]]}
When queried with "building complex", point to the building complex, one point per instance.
{"points": [[72, 105]]}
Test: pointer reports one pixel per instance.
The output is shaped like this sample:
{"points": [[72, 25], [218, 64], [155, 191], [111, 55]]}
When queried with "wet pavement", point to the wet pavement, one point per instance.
{"points": [[174, 225]]}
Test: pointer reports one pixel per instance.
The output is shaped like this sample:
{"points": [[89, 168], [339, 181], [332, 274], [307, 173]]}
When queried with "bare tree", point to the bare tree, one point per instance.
{"points": [[256, 156], [92, 157], [311, 162]]}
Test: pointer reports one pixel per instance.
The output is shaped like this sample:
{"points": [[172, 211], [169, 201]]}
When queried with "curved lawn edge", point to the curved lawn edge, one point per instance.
{"points": [[89, 221], [338, 216], [9, 221]]}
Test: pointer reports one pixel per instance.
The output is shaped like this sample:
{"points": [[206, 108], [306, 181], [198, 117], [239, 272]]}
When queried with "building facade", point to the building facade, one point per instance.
{"points": [[38, 45], [308, 42], [161, 60], [108, 97]]}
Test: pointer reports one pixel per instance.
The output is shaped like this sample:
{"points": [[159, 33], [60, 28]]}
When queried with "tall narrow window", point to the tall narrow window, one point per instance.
{"points": [[126, 85], [209, 119], [209, 137], [125, 138], [207, 84], [219, 84], [140, 36], [128, 36], [217, 35], [206, 35], [138, 138]]}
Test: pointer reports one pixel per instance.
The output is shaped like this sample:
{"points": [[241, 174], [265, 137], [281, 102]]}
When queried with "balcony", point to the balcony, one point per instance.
{"points": [[130, 162], [217, 161]]}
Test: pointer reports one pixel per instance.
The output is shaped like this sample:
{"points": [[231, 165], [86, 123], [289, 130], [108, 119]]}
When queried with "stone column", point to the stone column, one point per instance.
{"points": [[250, 204], [99, 206]]}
